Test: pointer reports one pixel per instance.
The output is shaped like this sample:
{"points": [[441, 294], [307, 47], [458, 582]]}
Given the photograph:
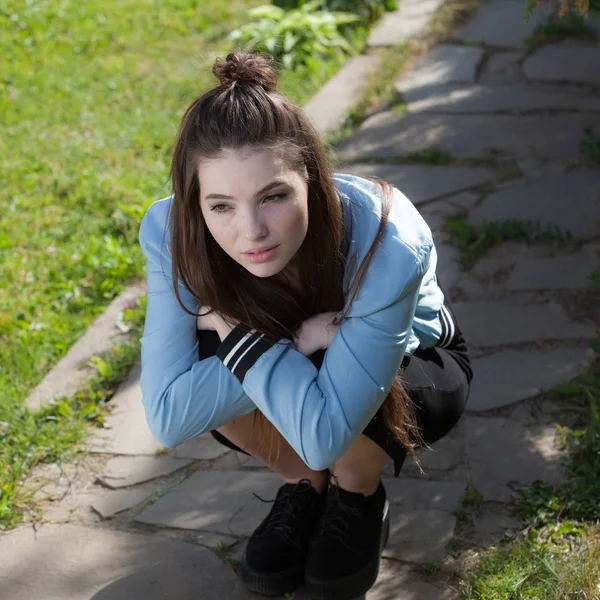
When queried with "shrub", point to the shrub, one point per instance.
{"points": [[302, 37], [369, 10]]}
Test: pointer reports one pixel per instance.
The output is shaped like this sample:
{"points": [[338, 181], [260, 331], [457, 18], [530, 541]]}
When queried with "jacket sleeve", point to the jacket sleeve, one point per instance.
{"points": [[182, 396], [321, 413]]}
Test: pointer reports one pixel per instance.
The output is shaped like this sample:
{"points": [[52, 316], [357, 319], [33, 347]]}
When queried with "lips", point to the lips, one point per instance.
{"points": [[262, 255], [260, 250]]}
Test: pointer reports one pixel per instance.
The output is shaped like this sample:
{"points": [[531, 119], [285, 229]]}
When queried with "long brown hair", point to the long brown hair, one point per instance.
{"points": [[245, 111]]}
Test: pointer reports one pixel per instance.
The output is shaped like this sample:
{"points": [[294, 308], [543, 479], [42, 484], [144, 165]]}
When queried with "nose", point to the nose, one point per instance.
{"points": [[254, 227]]}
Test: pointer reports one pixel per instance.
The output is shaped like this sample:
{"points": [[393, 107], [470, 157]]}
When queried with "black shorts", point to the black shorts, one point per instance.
{"points": [[436, 379]]}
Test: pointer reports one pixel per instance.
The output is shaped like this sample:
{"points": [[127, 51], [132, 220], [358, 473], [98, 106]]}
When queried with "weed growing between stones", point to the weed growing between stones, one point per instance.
{"points": [[474, 240], [432, 156], [589, 147], [54, 432], [507, 172], [558, 28], [470, 504]]}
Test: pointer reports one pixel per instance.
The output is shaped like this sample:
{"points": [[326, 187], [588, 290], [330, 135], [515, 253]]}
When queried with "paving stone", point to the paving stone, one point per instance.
{"points": [[123, 471], [436, 223], [68, 562], [444, 64], [419, 536], [203, 447], [502, 67], [463, 200], [491, 527], [115, 502], [508, 377], [474, 99], [216, 541], [217, 501], [389, 134], [250, 462], [504, 450], [564, 62], [398, 26], [397, 581], [570, 272], [443, 207], [448, 268], [331, 104], [446, 454], [228, 462], [421, 183], [424, 495], [72, 371], [546, 202], [501, 23], [513, 321], [126, 430]]}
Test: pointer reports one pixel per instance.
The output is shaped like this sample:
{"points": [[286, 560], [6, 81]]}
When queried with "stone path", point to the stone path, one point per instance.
{"points": [[133, 520]]}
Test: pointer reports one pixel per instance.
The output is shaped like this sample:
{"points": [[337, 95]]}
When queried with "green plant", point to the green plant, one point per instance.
{"points": [[470, 504], [368, 10], [556, 27], [305, 36], [474, 240], [560, 563], [589, 147], [432, 156]]}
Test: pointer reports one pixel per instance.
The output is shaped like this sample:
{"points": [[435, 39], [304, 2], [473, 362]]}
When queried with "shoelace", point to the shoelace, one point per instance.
{"points": [[338, 518], [286, 507]]}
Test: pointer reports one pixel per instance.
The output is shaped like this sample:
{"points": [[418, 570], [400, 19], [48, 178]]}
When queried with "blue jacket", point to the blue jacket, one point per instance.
{"points": [[319, 412]]}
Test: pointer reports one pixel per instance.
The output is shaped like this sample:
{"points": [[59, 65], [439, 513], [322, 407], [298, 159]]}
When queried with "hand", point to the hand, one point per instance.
{"points": [[315, 333], [206, 322], [222, 326]]}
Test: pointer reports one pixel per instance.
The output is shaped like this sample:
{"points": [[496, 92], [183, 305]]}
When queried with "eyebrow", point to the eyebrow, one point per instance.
{"points": [[262, 191]]}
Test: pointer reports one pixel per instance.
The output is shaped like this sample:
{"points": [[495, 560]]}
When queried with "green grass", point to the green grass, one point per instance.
{"points": [[53, 433], [474, 240], [542, 567], [91, 94]]}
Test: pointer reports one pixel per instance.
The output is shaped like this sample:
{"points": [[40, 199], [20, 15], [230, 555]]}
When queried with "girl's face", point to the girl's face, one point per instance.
{"points": [[255, 208]]}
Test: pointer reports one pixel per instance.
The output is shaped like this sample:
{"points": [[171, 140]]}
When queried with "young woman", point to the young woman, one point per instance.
{"points": [[296, 315]]}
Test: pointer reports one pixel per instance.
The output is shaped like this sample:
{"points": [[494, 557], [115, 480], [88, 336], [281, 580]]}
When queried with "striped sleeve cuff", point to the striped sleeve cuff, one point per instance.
{"points": [[242, 348]]}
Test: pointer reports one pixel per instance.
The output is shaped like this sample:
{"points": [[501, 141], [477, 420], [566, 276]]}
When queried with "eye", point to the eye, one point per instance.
{"points": [[275, 197], [220, 208]]}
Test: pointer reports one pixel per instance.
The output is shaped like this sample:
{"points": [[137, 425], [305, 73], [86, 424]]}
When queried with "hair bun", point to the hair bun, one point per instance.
{"points": [[246, 69]]}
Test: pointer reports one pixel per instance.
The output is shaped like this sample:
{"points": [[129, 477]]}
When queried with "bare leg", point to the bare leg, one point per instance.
{"points": [[245, 433], [359, 469]]}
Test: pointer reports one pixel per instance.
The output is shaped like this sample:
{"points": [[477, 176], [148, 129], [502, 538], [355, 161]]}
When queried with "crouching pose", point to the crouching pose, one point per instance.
{"points": [[295, 314]]}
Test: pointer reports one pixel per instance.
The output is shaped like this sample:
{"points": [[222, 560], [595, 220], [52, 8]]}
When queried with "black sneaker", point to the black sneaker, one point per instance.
{"points": [[275, 557], [345, 551]]}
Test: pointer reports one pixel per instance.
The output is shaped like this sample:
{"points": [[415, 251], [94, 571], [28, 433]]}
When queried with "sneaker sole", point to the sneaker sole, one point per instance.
{"points": [[357, 584], [272, 584]]}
